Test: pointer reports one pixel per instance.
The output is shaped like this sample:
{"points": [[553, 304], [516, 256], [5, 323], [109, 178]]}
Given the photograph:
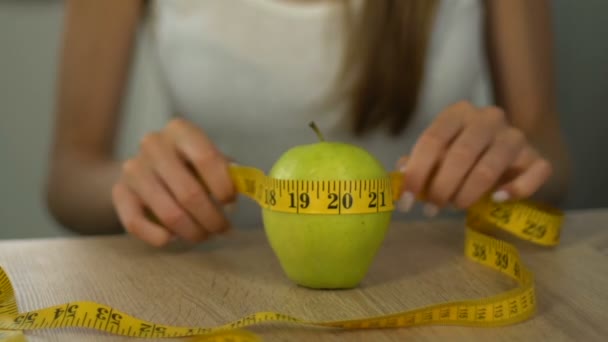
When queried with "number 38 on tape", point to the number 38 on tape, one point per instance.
{"points": [[539, 225]]}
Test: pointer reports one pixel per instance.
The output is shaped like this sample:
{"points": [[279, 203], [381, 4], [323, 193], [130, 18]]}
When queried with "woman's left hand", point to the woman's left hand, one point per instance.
{"points": [[467, 153]]}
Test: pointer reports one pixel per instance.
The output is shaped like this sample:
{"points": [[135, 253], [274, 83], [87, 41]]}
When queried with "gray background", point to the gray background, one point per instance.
{"points": [[29, 43]]}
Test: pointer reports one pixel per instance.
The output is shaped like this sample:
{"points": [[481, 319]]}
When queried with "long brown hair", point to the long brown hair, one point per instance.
{"points": [[384, 61]]}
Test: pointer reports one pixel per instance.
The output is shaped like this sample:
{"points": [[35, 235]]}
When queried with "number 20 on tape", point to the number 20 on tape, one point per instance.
{"points": [[526, 220]]}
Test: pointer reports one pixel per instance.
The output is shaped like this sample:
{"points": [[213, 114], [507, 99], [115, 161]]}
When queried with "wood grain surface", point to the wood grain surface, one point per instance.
{"points": [[420, 263]]}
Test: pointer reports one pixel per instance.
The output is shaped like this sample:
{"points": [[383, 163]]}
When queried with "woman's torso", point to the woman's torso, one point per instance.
{"points": [[254, 73]]}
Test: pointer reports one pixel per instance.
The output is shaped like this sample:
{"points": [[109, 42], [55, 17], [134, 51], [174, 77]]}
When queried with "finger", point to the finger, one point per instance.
{"points": [[406, 199], [490, 167], [524, 159], [209, 162], [432, 144], [189, 193], [464, 153], [401, 163], [130, 212], [527, 183], [155, 196]]}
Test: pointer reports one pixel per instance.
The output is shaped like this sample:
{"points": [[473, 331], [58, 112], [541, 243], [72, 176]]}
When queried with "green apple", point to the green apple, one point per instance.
{"points": [[326, 251]]}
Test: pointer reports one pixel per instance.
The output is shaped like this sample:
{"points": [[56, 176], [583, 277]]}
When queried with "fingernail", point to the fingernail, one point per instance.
{"points": [[406, 202], [500, 196], [430, 210], [400, 164]]}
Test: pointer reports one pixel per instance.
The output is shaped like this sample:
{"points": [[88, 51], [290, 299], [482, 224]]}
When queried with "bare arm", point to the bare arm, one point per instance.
{"points": [[97, 44], [515, 151], [520, 46]]}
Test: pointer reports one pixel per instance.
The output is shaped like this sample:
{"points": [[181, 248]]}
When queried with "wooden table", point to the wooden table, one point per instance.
{"points": [[420, 263]]}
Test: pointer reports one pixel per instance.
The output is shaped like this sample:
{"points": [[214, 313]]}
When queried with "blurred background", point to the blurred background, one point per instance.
{"points": [[29, 45]]}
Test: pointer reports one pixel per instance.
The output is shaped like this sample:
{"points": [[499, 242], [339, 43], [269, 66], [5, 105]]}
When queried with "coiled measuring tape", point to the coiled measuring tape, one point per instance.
{"points": [[526, 220]]}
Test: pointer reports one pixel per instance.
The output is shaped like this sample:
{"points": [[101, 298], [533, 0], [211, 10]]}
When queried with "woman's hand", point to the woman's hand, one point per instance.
{"points": [[466, 153], [163, 180]]}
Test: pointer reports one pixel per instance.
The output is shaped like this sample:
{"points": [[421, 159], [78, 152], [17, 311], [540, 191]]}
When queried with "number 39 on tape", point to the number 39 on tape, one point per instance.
{"points": [[528, 221]]}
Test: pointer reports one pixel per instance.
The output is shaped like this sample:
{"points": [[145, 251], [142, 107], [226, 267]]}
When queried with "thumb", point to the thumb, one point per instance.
{"points": [[406, 199], [401, 163]]}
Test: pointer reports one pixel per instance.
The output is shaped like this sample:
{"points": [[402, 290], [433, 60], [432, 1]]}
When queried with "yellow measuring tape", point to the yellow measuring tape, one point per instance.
{"points": [[523, 219]]}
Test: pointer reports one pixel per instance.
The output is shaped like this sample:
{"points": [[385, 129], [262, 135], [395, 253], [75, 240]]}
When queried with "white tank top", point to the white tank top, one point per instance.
{"points": [[254, 73]]}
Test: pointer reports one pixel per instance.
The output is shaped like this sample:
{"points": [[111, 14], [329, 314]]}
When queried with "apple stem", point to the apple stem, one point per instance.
{"points": [[314, 127]]}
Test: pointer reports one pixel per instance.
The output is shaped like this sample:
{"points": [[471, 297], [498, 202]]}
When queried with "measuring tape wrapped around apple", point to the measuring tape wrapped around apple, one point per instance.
{"points": [[302, 210]]}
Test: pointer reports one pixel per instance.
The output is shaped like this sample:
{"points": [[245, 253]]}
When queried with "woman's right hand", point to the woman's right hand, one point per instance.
{"points": [[179, 177]]}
